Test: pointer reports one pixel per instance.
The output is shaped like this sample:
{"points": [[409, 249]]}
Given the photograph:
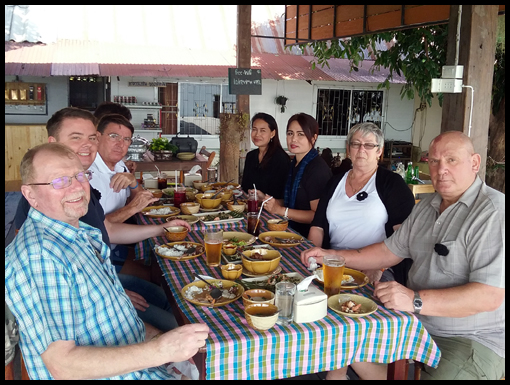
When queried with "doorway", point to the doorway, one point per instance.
{"points": [[168, 97]]}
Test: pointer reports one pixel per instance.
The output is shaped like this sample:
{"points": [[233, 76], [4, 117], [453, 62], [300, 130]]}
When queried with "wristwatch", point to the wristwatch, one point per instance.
{"points": [[417, 303]]}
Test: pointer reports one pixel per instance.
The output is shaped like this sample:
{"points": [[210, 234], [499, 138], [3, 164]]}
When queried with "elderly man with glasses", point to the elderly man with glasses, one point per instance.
{"points": [[75, 319]]}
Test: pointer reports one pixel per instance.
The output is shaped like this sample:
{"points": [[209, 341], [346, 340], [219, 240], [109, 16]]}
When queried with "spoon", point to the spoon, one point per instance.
{"points": [[215, 292]]}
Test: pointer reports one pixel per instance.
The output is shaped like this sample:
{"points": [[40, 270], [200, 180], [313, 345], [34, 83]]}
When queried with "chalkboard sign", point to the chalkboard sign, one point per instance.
{"points": [[244, 81]]}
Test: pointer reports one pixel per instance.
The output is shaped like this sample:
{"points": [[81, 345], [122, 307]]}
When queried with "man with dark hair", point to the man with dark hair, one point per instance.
{"points": [[112, 108]]}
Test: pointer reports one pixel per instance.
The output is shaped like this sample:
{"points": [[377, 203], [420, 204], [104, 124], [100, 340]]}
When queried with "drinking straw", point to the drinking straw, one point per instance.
{"points": [[159, 172], [175, 178], [260, 211], [255, 190]]}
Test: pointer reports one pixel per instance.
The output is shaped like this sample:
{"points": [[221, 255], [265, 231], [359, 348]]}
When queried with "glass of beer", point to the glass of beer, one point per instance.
{"points": [[253, 223], [213, 238], [333, 271]]}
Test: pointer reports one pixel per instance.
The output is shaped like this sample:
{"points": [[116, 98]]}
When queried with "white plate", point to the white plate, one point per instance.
{"points": [[203, 215]]}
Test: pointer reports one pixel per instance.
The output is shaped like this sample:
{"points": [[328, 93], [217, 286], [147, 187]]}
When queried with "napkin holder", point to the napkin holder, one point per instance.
{"points": [[192, 176], [310, 305]]}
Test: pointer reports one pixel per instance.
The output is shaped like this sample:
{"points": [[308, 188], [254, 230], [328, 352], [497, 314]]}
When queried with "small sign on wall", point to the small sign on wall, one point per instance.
{"points": [[244, 81], [146, 84]]}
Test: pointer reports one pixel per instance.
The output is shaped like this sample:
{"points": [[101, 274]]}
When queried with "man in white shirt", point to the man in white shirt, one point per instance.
{"points": [[121, 195]]}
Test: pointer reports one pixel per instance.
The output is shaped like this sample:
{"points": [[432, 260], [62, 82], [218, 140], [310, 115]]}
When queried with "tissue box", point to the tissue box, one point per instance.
{"points": [[189, 178], [310, 306]]}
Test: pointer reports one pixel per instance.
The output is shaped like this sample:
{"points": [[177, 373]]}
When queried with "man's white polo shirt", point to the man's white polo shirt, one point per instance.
{"points": [[110, 200]]}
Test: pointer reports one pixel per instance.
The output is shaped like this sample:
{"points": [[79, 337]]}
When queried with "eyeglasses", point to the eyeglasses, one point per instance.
{"points": [[117, 138], [368, 146], [65, 181]]}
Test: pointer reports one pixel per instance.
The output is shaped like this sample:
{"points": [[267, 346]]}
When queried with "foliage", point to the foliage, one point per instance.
{"points": [[418, 54], [162, 144]]}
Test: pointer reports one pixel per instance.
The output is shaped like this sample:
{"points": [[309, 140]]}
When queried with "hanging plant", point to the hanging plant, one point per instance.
{"points": [[281, 101]]}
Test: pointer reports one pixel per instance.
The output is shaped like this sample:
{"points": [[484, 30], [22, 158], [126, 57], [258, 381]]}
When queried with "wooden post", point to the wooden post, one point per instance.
{"points": [[243, 61], [477, 49]]}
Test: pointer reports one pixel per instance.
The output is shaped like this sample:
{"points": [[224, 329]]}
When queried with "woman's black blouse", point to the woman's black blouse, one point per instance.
{"points": [[270, 179]]}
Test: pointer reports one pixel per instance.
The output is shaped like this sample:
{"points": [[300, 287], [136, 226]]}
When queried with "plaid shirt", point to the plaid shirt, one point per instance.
{"points": [[60, 285]]}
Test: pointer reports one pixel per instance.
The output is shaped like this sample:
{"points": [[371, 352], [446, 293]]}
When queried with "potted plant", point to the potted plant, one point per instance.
{"points": [[162, 149], [281, 100]]}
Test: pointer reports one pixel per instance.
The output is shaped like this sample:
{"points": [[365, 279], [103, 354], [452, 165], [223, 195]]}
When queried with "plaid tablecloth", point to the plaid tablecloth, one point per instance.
{"points": [[235, 351]]}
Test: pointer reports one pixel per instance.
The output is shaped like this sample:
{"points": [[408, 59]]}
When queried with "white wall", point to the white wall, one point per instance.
{"points": [[398, 123]]}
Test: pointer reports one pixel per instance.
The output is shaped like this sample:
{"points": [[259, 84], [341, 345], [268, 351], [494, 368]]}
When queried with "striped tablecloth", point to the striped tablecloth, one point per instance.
{"points": [[235, 351]]}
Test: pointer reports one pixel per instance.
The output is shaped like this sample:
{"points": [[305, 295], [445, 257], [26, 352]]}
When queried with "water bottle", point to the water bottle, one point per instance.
{"points": [[409, 173], [416, 176]]}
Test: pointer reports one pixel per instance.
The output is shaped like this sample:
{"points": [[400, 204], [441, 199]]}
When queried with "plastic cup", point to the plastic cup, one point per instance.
{"points": [[179, 196], [213, 239], [284, 300], [253, 226], [162, 182], [333, 267]]}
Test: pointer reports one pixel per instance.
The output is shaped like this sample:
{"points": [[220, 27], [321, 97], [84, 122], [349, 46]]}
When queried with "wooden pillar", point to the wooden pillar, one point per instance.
{"points": [[244, 61], [476, 53]]}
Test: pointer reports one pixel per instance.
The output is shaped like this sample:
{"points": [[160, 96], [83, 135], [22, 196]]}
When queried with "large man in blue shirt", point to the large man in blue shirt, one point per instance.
{"points": [[75, 320]]}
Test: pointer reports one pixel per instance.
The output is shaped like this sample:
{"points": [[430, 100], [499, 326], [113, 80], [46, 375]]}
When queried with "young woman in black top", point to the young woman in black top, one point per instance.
{"points": [[268, 165], [307, 176]]}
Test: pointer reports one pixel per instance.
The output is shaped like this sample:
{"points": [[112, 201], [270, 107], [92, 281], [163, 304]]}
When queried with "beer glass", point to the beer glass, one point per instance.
{"points": [[213, 239], [333, 271]]}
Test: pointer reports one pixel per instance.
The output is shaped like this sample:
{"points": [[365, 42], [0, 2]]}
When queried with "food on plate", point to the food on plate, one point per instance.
{"points": [[161, 211], [347, 279], [270, 282], [222, 216], [202, 294], [235, 241], [350, 307], [282, 240], [180, 250]]}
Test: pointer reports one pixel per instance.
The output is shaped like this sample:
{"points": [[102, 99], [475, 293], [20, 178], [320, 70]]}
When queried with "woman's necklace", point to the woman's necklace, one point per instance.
{"points": [[351, 177]]}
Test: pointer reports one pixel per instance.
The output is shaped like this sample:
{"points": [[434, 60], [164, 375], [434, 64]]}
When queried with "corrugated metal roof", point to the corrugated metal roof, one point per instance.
{"points": [[75, 58], [156, 41]]}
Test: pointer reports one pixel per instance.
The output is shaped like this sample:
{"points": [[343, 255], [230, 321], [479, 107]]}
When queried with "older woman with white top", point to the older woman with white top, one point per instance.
{"points": [[362, 205]]}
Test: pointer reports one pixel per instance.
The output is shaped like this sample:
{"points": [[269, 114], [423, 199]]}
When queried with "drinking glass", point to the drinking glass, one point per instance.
{"points": [[333, 271], [213, 238], [284, 300], [179, 196], [162, 182], [252, 202], [253, 226]]}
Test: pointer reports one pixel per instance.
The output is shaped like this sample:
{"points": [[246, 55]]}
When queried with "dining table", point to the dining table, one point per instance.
{"points": [[234, 351]]}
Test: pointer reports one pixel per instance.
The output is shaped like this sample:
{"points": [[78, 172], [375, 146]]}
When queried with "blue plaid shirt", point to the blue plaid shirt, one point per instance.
{"points": [[60, 285]]}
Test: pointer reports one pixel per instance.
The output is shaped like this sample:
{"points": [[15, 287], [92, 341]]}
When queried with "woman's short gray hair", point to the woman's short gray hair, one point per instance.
{"points": [[365, 129]]}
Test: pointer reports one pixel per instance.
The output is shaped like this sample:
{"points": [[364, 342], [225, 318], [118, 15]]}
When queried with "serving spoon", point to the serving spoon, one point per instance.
{"points": [[215, 292]]}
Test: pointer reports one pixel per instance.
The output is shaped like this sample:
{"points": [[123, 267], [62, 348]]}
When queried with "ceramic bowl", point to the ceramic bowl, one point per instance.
{"points": [[176, 233], [239, 207], [268, 264], [258, 296], [157, 193], [198, 185], [190, 208], [277, 224], [225, 195], [229, 249], [206, 202], [231, 271], [261, 316], [190, 193]]}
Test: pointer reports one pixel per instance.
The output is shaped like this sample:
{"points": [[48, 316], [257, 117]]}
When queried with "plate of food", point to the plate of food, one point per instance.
{"points": [[236, 257], [197, 292], [268, 282], [218, 217], [238, 238], [281, 238], [180, 251], [160, 211], [352, 279], [351, 305], [191, 219]]}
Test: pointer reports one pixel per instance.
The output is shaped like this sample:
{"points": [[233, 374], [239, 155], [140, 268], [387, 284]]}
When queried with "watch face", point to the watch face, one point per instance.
{"points": [[418, 303]]}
